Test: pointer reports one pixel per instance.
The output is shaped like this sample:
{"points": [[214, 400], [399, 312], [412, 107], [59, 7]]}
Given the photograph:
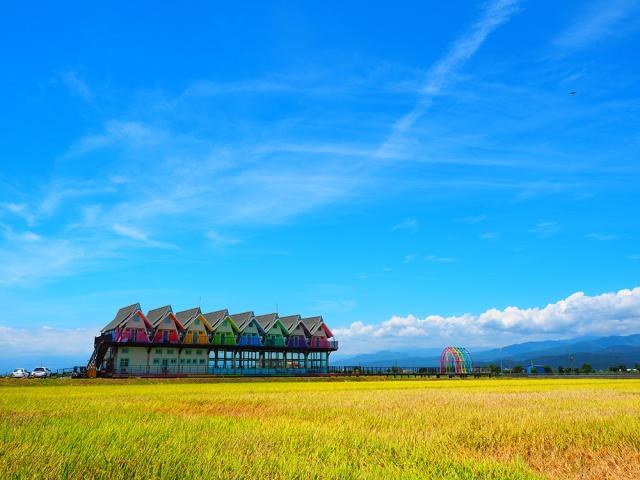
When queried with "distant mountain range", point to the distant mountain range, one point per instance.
{"points": [[600, 352]]}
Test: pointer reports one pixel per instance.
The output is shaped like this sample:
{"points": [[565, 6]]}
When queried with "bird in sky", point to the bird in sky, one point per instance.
{"points": [[572, 93]]}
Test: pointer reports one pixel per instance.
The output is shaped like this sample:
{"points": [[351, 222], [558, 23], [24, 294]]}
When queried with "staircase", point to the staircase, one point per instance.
{"points": [[100, 347]]}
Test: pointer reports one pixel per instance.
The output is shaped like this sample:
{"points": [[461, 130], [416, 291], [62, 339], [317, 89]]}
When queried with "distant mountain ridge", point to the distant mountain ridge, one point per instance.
{"points": [[600, 352]]}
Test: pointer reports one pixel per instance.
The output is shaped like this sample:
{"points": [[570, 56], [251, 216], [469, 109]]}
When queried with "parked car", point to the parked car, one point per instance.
{"points": [[79, 372], [19, 373], [41, 372]]}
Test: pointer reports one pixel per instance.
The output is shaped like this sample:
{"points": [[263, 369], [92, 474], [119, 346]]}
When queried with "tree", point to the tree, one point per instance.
{"points": [[518, 369], [534, 370], [560, 369], [547, 369], [494, 368], [586, 368], [637, 366]]}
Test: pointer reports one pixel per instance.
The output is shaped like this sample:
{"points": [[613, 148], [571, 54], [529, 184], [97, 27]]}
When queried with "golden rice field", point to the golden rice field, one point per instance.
{"points": [[448, 429]]}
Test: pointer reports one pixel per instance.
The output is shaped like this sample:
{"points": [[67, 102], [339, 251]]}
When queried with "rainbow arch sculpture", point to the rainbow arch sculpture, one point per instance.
{"points": [[456, 360]]}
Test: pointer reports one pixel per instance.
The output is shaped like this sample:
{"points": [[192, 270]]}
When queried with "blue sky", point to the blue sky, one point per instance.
{"points": [[401, 170]]}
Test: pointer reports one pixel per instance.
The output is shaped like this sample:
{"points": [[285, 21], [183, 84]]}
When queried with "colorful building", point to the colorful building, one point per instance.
{"points": [[192, 342], [166, 327], [275, 332], [196, 329], [298, 334]]}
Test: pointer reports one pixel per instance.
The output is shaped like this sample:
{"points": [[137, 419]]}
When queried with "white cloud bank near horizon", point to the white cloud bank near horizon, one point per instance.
{"points": [[612, 313]]}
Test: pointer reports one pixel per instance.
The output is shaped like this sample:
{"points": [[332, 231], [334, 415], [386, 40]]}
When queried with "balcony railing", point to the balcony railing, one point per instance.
{"points": [[210, 370]]}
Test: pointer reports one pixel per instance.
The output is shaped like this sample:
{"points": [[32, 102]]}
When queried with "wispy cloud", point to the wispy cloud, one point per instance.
{"points": [[491, 236], [546, 229], [410, 224], [72, 80], [600, 19], [139, 236], [24, 260], [219, 239], [494, 14], [602, 237], [409, 258], [437, 259], [136, 134], [472, 220]]}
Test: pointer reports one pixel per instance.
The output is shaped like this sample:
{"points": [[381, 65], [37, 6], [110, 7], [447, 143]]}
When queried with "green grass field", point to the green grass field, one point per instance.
{"points": [[501, 429]]}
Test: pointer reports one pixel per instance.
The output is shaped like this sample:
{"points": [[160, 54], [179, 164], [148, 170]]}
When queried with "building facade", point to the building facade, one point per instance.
{"points": [[216, 343]]}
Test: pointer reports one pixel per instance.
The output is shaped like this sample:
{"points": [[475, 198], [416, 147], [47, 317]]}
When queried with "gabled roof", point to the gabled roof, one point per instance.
{"points": [[314, 324], [156, 315], [122, 316], [290, 322], [216, 318], [267, 321], [242, 320], [185, 317]]}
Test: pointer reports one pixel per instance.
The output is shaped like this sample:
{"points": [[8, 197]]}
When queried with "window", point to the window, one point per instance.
{"points": [[196, 322], [187, 352], [167, 321], [124, 362], [169, 350], [156, 361], [173, 360], [158, 350], [202, 360], [188, 360], [182, 360], [198, 352], [125, 350]]}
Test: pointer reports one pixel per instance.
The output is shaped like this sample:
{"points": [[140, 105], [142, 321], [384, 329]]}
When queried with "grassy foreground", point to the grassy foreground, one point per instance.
{"points": [[449, 429]]}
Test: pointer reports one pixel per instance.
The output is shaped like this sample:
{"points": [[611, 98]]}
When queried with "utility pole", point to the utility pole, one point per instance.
{"points": [[570, 357]]}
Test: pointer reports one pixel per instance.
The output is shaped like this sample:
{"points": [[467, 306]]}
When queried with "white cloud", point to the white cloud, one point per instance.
{"points": [[135, 234], [472, 220], [409, 258], [489, 236], [579, 314], [437, 259], [546, 229], [407, 224], [37, 258], [76, 85], [47, 340], [602, 237], [220, 239], [601, 19], [136, 134]]}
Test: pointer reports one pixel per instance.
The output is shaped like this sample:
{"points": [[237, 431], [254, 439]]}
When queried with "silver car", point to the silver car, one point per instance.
{"points": [[41, 372], [19, 373]]}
